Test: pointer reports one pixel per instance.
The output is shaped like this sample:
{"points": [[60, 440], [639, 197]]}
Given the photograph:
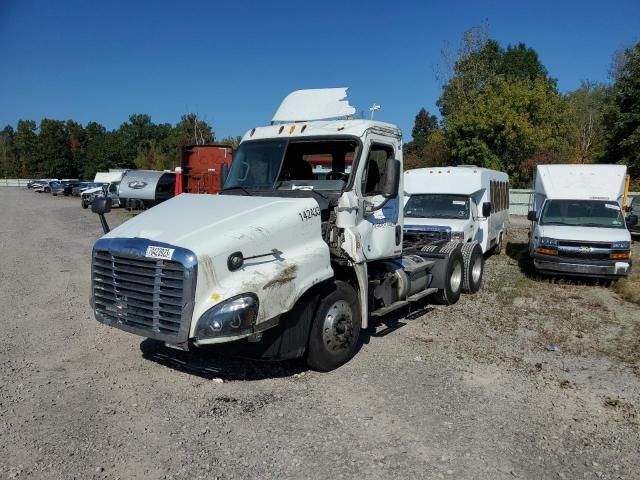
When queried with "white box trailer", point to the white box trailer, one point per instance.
{"points": [[465, 203], [142, 189], [577, 223]]}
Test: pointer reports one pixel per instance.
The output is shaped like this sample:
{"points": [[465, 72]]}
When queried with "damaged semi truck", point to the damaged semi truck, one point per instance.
{"points": [[284, 263]]}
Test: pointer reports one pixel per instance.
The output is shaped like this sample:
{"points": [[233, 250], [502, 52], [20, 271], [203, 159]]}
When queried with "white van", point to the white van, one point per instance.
{"points": [[577, 224], [464, 203]]}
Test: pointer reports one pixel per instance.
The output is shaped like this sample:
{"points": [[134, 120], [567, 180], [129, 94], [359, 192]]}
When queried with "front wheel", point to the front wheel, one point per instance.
{"points": [[473, 267], [498, 247], [84, 204], [335, 329]]}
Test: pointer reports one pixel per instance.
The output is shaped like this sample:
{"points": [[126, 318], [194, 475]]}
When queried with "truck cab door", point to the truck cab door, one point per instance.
{"points": [[380, 228]]}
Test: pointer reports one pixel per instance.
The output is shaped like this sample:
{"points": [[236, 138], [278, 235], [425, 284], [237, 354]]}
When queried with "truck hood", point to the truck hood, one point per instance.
{"points": [[454, 224], [193, 220], [592, 234], [90, 191]]}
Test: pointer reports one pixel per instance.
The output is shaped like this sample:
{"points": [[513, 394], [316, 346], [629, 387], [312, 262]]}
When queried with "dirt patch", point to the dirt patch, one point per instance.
{"points": [[468, 391]]}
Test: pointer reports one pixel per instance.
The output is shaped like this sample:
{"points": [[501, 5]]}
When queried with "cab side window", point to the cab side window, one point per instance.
{"points": [[372, 178]]}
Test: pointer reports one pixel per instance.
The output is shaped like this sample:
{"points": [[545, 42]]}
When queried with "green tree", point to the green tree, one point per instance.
{"points": [[622, 116], [26, 145], [424, 125], [509, 125], [8, 158], [233, 142], [54, 151], [588, 103]]}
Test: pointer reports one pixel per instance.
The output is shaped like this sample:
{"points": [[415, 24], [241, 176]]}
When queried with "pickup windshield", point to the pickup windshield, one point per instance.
{"points": [[292, 165], [582, 213], [436, 205]]}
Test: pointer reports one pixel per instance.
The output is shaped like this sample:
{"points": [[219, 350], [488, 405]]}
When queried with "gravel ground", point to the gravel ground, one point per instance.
{"points": [[468, 391]]}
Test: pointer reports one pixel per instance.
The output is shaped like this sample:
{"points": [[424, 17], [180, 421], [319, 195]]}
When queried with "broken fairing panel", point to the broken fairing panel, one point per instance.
{"points": [[314, 104]]}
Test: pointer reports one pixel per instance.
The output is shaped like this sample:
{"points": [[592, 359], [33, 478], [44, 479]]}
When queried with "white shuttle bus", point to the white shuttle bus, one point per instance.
{"points": [[465, 203], [577, 224]]}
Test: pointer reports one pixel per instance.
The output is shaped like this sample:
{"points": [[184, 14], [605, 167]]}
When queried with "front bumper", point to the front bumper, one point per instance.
{"points": [[587, 268]]}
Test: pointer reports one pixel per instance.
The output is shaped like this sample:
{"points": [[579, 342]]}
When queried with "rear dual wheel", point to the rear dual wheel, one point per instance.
{"points": [[454, 274], [473, 267]]}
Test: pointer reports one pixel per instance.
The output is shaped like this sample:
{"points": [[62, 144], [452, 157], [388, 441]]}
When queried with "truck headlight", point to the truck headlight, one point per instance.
{"points": [[232, 317], [621, 245], [547, 246], [548, 242], [459, 236]]}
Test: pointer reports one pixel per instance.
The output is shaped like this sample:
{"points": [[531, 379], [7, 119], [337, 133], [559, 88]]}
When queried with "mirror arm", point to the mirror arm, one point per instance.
{"points": [[103, 221]]}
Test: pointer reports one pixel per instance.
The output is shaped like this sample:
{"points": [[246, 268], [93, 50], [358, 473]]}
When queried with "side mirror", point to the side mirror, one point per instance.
{"points": [[632, 220], [531, 216], [101, 205], [391, 180], [486, 209]]}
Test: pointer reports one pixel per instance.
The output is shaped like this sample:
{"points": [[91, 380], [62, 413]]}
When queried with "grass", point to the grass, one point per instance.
{"points": [[629, 287]]}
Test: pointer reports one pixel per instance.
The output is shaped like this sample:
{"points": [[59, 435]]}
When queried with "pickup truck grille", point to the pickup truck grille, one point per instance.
{"points": [[428, 232], [145, 294], [584, 250]]}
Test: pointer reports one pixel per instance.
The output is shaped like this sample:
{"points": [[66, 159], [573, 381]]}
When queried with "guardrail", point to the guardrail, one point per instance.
{"points": [[519, 200], [14, 182]]}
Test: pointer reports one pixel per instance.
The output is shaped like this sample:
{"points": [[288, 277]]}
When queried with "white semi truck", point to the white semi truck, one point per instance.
{"points": [[577, 223], [283, 263]]}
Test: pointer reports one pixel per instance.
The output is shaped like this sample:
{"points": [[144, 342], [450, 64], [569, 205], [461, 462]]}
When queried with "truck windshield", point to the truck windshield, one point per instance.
{"points": [[291, 165], [582, 213], [435, 205]]}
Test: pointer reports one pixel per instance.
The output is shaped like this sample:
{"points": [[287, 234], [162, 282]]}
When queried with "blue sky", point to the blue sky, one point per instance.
{"points": [[232, 61]]}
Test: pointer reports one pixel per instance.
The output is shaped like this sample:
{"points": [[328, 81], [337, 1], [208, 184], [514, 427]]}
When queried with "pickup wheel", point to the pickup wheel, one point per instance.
{"points": [[473, 267], [84, 204], [454, 275], [335, 329]]}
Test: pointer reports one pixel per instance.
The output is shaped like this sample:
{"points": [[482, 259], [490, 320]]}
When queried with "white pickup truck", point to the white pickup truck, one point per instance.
{"points": [[284, 262]]}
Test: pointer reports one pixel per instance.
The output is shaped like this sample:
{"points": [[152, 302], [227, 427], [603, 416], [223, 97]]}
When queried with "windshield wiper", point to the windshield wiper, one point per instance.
{"points": [[237, 187]]}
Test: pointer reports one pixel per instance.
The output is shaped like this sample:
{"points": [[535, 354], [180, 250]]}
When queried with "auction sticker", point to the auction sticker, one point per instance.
{"points": [[161, 253]]}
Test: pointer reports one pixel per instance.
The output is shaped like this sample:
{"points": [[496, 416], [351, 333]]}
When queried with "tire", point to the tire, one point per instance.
{"points": [[454, 275], [497, 250], [335, 329], [473, 267], [84, 204], [47, 190]]}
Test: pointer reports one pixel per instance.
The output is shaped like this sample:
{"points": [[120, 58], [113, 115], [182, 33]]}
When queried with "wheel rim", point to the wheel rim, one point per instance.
{"points": [[337, 329], [476, 271], [456, 277]]}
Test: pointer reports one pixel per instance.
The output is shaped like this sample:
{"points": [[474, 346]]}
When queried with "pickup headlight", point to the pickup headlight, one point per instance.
{"points": [[459, 236], [232, 317], [548, 242], [547, 246], [621, 245]]}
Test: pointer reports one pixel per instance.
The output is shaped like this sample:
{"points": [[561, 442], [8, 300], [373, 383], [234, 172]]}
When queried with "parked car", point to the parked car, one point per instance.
{"points": [[69, 186], [87, 197], [45, 186], [56, 188], [36, 183], [82, 186]]}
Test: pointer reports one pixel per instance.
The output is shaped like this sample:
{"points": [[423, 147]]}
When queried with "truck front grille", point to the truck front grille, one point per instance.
{"points": [[584, 250], [145, 294]]}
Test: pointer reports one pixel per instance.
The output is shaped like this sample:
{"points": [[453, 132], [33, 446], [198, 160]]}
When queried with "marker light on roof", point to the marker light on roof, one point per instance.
{"points": [[281, 128], [253, 130], [291, 130], [304, 127]]}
